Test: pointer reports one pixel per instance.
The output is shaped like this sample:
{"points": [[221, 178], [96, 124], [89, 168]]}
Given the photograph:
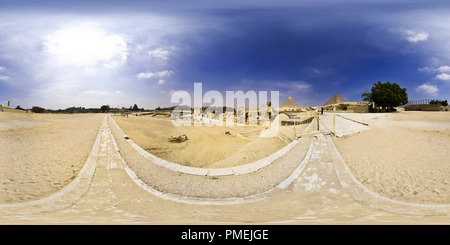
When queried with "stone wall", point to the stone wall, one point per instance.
{"points": [[357, 108], [433, 107]]}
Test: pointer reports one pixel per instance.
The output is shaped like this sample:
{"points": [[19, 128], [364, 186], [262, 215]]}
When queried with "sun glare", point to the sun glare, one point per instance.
{"points": [[87, 46]]}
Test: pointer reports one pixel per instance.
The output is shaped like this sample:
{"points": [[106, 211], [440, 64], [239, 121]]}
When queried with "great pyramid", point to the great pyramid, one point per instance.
{"points": [[289, 104], [336, 99]]}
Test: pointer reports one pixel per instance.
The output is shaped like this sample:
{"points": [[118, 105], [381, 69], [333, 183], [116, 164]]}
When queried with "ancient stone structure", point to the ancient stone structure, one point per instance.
{"points": [[289, 105], [337, 103], [336, 99]]}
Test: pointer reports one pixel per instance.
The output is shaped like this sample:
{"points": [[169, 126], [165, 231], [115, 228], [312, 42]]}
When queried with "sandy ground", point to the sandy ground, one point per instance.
{"points": [[315, 197], [41, 153], [206, 147], [403, 156]]}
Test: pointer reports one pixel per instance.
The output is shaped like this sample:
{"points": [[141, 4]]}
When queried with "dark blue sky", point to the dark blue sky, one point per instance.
{"points": [[58, 54]]}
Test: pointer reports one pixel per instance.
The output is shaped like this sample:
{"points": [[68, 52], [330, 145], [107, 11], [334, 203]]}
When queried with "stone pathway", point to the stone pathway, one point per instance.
{"points": [[319, 175], [320, 190], [344, 126]]}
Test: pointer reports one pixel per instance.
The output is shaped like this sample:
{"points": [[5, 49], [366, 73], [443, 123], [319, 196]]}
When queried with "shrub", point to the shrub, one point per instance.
{"points": [[37, 109]]}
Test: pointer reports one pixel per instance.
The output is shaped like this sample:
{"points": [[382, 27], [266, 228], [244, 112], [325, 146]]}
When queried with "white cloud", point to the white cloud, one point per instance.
{"points": [[425, 69], [161, 81], [159, 74], [37, 56], [285, 88], [159, 53], [443, 76], [414, 37], [95, 92], [301, 85], [86, 45], [443, 69], [4, 78], [443, 72], [292, 85], [427, 89]]}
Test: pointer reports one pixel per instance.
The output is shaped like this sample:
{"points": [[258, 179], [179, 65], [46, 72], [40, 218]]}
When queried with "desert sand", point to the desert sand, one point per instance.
{"points": [[205, 147], [41, 153], [403, 156]]}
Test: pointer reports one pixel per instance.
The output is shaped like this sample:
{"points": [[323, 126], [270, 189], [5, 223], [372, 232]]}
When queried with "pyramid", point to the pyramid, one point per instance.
{"points": [[289, 104], [336, 99]]}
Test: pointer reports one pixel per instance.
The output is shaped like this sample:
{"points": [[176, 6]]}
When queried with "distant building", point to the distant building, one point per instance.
{"points": [[337, 103], [336, 99], [289, 105]]}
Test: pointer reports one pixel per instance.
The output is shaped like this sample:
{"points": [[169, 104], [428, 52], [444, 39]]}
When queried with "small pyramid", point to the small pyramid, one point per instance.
{"points": [[290, 104], [336, 99]]}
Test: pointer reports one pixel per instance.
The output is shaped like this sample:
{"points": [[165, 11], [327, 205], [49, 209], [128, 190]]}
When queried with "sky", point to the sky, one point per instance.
{"points": [[59, 54]]}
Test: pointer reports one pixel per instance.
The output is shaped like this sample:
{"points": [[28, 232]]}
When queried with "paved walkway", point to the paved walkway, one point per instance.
{"points": [[319, 190], [344, 126]]}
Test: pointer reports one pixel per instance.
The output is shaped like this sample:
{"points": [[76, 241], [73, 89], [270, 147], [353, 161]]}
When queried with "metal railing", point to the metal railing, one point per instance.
{"points": [[419, 102]]}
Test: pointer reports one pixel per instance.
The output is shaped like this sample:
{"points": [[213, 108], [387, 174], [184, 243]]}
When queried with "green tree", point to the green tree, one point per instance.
{"points": [[135, 108], [104, 108], [386, 95], [367, 97], [441, 102]]}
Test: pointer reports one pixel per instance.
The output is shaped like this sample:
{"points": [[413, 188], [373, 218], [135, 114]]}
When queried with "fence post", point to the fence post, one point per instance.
{"points": [[318, 122], [334, 124]]}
